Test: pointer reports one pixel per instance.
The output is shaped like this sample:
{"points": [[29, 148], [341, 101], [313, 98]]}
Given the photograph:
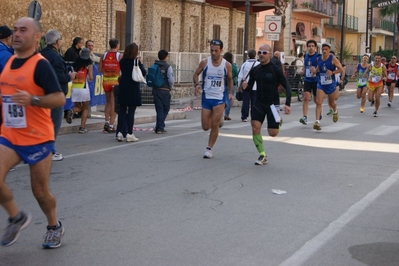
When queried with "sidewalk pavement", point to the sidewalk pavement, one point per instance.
{"points": [[146, 113]]}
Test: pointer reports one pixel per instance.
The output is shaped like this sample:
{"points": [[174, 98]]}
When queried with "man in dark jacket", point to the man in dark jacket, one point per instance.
{"points": [[162, 94], [54, 40], [73, 52]]}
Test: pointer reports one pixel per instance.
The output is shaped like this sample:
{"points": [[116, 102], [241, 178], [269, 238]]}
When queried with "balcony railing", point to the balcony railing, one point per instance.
{"points": [[384, 24], [351, 22], [322, 6]]}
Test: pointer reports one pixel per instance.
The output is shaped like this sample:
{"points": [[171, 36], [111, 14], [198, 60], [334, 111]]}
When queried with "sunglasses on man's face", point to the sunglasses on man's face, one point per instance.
{"points": [[262, 52]]}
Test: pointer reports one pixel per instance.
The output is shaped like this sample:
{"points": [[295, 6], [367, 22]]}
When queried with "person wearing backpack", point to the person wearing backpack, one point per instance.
{"points": [[160, 77]]}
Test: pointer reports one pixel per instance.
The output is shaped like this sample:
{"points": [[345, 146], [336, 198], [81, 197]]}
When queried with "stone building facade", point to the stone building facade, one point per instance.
{"points": [[192, 24]]}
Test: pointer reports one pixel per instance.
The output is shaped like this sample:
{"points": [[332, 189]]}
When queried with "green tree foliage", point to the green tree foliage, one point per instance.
{"points": [[387, 53], [347, 51]]}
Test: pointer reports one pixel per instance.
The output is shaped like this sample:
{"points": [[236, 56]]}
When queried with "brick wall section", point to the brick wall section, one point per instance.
{"points": [[95, 19]]}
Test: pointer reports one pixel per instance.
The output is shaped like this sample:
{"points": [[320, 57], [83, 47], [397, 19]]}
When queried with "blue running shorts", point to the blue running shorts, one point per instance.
{"points": [[30, 154]]}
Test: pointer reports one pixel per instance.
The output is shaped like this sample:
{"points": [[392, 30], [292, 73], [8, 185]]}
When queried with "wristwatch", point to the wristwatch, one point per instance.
{"points": [[35, 101]]}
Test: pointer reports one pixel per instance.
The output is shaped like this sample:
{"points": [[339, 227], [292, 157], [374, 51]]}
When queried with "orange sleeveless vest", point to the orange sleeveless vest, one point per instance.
{"points": [[34, 124]]}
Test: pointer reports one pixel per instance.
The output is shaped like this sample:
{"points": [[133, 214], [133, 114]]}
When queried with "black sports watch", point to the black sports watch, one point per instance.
{"points": [[35, 101]]}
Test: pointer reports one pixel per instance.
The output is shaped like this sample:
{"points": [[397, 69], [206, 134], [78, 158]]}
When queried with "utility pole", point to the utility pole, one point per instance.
{"points": [[394, 29], [246, 33], [368, 26], [343, 22], [129, 22]]}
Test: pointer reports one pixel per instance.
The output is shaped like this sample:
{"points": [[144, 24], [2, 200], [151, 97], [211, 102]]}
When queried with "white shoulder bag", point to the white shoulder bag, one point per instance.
{"points": [[136, 73]]}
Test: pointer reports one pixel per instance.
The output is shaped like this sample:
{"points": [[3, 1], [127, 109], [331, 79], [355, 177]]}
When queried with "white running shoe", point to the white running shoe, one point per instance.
{"points": [[208, 154], [119, 137], [131, 138], [57, 157]]}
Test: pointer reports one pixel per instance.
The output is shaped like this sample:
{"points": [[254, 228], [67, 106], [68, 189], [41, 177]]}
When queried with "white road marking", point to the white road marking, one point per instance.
{"points": [[382, 130], [291, 125], [337, 127], [189, 125], [328, 143], [312, 246]]}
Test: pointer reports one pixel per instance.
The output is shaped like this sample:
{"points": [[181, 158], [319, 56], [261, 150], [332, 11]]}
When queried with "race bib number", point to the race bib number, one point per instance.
{"points": [[375, 79], [14, 115], [362, 81], [391, 76], [325, 79], [308, 73], [214, 87]]}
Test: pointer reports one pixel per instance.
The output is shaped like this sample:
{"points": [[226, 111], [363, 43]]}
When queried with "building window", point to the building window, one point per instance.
{"points": [[165, 33], [331, 41], [240, 41], [120, 26], [216, 32]]}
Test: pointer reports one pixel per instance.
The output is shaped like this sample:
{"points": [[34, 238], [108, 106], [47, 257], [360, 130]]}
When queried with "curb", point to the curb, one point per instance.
{"points": [[74, 128]]}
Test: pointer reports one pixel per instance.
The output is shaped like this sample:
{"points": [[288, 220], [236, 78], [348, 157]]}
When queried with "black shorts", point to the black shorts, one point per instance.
{"points": [[260, 111], [388, 83], [310, 87]]}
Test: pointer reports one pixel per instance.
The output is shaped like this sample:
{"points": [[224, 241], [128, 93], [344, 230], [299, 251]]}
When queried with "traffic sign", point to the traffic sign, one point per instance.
{"points": [[272, 24], [272, 36]]}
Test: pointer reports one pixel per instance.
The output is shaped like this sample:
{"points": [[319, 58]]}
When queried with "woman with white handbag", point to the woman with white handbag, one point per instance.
{"points": [[129, 96]]}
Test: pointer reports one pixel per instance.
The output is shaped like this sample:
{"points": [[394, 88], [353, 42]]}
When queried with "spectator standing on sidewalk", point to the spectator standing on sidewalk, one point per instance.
{"points": [[54, 42], [229, 58], [6, 51], [30, 87], [90, 45], [72, 53], [80, 96], [109, 66], [162, 95], [116, 110], [129, 95], [248, 95]]}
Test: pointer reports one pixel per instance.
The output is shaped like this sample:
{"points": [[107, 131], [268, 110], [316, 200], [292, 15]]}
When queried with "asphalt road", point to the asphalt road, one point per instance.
{"points": [[158, 202]]}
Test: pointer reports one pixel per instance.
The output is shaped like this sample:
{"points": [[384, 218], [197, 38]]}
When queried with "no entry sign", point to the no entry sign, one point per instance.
{"points": [[272, 24]]}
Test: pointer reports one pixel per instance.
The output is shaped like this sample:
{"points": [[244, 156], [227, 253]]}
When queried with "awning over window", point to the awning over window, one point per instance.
{"points": [[255, 5]]}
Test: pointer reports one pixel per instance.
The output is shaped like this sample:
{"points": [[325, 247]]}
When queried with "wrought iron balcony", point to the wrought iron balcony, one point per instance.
{"points": [[315, 8], [351, 22], [382, 24]]}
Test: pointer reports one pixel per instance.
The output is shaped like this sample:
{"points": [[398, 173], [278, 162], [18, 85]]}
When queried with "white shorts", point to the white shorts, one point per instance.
{"points": [[80, 95]]}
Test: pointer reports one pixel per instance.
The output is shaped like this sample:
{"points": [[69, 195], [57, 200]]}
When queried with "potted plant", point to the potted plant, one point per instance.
{"points": [[305, 4]]}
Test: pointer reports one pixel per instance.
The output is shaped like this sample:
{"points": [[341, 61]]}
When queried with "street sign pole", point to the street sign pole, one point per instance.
{"points": [[246, 33]]}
